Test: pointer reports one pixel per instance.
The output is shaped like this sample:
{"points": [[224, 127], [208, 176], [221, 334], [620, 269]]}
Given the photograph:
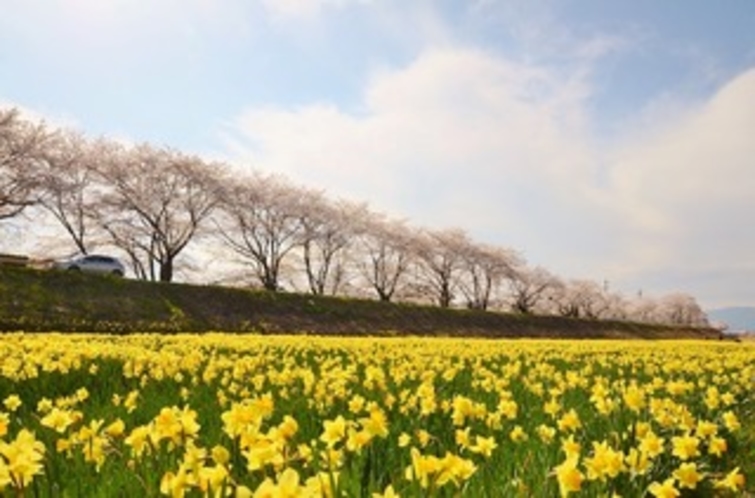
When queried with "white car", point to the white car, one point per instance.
{"points": [[94, 263]]}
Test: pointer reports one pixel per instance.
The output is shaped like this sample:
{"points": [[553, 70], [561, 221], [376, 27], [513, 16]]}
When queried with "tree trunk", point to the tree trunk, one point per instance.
{"points": [[166, 270]]}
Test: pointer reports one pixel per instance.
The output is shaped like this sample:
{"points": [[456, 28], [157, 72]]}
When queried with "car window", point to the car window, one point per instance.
{"points": [[100, 260]]}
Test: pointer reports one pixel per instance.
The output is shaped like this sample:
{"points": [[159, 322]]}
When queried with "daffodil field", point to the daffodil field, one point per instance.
{"points": [[287, 416]]}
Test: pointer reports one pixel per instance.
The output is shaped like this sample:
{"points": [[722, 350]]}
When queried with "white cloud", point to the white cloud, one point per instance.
{"points": [[503, 149], [459, 137], [118, 27], [691, 181], [304, 8]]}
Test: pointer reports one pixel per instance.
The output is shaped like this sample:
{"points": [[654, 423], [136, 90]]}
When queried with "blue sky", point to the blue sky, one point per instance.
{"points": [[602, 139]]}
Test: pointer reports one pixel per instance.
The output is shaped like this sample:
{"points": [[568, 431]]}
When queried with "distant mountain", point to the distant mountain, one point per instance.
{"points": [[738, 318]]}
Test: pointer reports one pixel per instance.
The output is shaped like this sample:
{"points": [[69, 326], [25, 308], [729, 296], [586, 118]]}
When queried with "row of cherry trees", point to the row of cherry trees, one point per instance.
{"points": [[152, 203]]}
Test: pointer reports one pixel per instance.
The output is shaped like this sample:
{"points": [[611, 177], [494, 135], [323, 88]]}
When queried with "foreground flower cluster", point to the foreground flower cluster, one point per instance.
{"points": [[223, 415]]}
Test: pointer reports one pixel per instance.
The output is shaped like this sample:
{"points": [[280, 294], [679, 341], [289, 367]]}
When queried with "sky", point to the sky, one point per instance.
{"points": [[611, 141]]}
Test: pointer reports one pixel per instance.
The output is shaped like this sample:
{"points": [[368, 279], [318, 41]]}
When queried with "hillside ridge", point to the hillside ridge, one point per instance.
{"points": [[33, 300]]}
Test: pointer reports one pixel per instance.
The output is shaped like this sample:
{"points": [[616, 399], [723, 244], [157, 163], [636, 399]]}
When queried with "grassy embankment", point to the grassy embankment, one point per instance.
{"points": [[33, 300]]}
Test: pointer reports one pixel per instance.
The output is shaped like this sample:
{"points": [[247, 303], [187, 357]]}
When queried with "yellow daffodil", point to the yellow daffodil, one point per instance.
{"points": [[115, 429], [666, 489], [651, 444], [12, 402], [484, 445], [733, 481], [334, 431], [687, 475], [220, 455], [731, 422], [546, 433], [423, 437], [387, 493], [637, 462], [569, 476], [634, 398], [685, 447], [404, 440], [570, 447], [569, 421], [376, 424], [517, 434], [22, 459], [717, 446], [463, 437], [605, 462]]}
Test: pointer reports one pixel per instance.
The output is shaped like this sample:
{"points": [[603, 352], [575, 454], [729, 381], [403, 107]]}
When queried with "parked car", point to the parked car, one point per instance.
{"points": [[94, 263]]}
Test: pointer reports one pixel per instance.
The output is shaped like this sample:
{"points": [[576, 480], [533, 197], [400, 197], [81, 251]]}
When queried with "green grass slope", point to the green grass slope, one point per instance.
{"points": [[34, 301]]}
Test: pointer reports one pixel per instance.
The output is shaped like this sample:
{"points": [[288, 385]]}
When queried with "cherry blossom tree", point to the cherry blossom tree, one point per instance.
{"points": [[21, 144], [580, 298], [328, 231], [154, 203], [679, 308], [528, 287], [484, 269], [68, 187], [440, 256], [262, 223], [642, 309], [385, 248]]}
